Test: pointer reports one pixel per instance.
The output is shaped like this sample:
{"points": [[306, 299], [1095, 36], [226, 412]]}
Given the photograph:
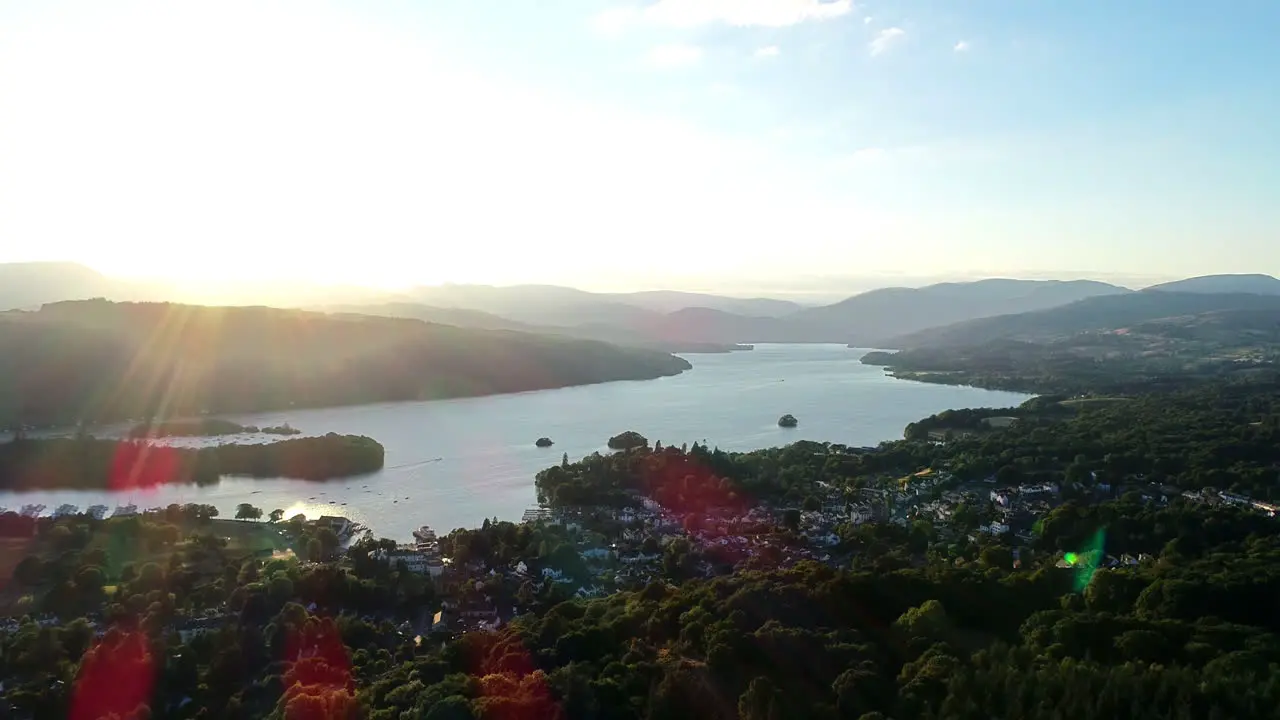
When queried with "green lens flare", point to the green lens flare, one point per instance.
{"points": [[1086, 562]]}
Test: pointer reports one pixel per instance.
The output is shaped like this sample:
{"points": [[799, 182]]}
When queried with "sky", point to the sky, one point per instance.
{"points": [[708, 144]]}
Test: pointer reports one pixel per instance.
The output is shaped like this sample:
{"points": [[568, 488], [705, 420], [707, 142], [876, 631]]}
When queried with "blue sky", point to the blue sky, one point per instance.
{"points": [[721, 144]]}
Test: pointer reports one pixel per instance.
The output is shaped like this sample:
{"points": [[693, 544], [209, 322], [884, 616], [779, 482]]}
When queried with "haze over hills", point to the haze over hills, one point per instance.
{"points": [[667, 320], [872, 317], [555, 305], [1256, 284], [36, 283], [1109, 312]]}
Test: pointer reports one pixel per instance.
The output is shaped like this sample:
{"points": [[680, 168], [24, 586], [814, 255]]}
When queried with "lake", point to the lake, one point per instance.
{"points": [[452, 463]]}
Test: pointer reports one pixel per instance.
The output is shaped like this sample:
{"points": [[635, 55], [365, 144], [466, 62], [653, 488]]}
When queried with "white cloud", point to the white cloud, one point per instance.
{"points": [[740, 13], [962, 46], [769, 51], [669, 56], [885, 39], [867, 20]]}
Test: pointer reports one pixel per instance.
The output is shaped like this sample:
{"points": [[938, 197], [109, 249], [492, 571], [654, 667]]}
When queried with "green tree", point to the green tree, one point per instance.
{"points": [[276, 515], [245, 511], [762, 700], [791, 519]]}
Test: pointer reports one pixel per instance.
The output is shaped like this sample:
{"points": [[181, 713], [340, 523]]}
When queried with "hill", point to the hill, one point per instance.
{"points": [[98, 360], [873, 317], [29, 285], [459, 317], [1256, 284], [867, 319], [1110, 312], [568, 307]]}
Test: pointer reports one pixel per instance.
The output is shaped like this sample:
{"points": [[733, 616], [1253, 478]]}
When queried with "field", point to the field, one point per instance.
{"points": [[1089, 402]]}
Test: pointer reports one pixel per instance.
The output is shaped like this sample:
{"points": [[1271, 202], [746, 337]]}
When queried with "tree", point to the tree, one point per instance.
{"points": [[628, 440], [996, 556], [315, 551], [329, 542], [761, 701], [276, 515], [30, 571], [812, 504], [791, 518], [245, 511]]}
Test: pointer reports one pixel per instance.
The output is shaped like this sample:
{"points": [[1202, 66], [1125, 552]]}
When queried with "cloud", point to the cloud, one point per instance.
{"points": [[670, 56], [885, 39], [867, 20], [962, 46], [739, 13], [769, 51]]}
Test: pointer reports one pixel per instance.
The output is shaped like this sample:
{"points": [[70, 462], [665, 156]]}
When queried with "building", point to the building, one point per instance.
{"points": [[536, 514], [340, 526], [415, 560]]}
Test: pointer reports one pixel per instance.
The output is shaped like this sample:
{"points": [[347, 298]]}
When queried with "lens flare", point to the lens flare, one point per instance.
{"points": [[1085, 563]]}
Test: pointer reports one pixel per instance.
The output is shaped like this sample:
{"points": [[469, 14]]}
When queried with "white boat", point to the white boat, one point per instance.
{"points": [[425, 534]]}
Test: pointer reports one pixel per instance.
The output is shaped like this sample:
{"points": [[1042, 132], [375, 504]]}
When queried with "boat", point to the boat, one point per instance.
{"points": [[424, 534]]}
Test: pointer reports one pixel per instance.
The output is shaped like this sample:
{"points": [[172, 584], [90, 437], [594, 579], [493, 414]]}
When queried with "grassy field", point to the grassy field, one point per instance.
{"points": [[1081, 402]]}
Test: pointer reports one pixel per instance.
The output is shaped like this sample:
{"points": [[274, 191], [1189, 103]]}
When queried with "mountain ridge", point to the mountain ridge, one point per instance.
{"points": [[1108, 312]]}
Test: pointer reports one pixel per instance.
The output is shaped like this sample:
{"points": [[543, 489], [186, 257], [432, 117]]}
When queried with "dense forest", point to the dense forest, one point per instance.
{"points": [[95, 361], [94, 464], [950, 633]]}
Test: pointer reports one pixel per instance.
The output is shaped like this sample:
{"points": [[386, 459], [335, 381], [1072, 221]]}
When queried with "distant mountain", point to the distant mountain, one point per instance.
{"points": [[568, 307], [1110, 312], [669, 301], [1256, 284], [98, 360], [867, 319], [30, 285], [458, 317], [872, 317]]}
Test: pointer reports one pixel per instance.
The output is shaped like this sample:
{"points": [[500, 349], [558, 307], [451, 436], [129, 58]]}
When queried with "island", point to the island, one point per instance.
{"points": [[628, 440], [544, 442], [788, 421], [201, 427], [285, 429], [87, 463]]}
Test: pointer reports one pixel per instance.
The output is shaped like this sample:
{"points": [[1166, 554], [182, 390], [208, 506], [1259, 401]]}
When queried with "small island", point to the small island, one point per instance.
{"points": [[201, 427], [544, 442], [629, 440], [285, 429], [788, 421]]}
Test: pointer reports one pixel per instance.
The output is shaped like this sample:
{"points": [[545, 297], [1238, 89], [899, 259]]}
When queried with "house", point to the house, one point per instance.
{"points": [[340, 526], [416, 561]]}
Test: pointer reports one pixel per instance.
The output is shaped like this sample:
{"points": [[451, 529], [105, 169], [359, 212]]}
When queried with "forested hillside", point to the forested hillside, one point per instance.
{"points": [[98, 360]]}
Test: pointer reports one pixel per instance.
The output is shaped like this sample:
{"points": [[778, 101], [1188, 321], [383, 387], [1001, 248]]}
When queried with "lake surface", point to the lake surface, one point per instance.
{"points": [[452, 463]]}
